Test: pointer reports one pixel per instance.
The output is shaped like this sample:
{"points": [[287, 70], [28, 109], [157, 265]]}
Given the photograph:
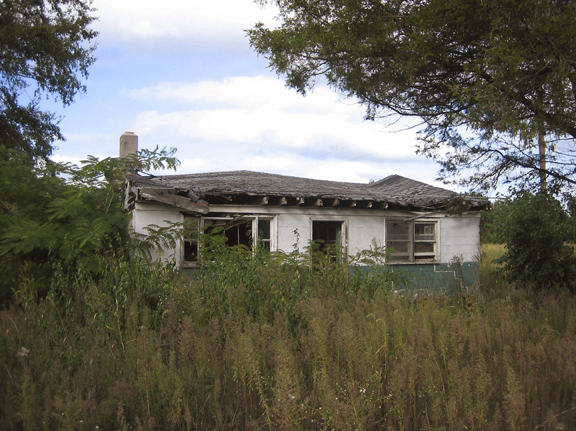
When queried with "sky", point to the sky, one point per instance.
{"points": [[183, 75]]}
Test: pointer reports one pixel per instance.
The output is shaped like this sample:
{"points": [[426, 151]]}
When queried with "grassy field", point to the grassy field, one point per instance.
{"points": [[260, 345]]}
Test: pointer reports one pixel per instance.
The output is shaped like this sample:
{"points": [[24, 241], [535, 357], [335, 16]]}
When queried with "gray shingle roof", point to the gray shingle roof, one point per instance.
{"points": [[393, 190]]}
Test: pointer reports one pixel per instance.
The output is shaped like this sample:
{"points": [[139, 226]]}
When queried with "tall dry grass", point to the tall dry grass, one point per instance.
{"points": [[281, 347]]}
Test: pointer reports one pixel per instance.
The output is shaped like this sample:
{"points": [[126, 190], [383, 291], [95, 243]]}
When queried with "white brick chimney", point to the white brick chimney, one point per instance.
{"points": [[128, 145]]}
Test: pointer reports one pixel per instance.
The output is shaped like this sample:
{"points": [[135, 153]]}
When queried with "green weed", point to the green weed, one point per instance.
{"points": [[260, 341]]}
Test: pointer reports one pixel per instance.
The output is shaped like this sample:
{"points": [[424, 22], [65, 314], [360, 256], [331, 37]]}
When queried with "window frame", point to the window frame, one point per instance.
{"points": [[411, 255], [343, 230], [254, 219]]}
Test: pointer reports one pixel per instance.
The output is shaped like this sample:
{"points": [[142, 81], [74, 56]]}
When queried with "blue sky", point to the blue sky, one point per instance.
{"points": [[183, 75]]}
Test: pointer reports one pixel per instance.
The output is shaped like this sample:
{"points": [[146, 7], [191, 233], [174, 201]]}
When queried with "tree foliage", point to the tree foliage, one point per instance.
{"points": [[494, 81], [60, 218], [47, 47], [539, 236]]}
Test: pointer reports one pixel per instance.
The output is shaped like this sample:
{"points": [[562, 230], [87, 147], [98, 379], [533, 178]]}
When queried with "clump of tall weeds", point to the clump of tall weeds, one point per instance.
{"points": [[258, 341]]}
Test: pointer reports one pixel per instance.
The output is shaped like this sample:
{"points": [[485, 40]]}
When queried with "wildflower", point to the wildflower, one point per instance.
{"points": [[23, 352]]}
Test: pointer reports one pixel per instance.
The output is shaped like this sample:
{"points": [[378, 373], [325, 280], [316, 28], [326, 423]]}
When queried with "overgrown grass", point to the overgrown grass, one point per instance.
{"points": [[255, 344], [492, 281]]}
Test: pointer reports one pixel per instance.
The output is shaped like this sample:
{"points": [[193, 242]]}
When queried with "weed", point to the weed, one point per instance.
{"points": [[264, 341]]}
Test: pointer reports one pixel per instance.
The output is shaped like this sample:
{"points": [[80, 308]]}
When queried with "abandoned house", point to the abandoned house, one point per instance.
{"points": [[425, 228]]}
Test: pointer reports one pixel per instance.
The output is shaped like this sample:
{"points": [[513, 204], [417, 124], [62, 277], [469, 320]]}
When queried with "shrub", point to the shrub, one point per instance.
{"points": [[539, 236], [65, 217]]}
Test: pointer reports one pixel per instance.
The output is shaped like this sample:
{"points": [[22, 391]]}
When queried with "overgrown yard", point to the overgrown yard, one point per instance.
{"points": [[255, 344]]}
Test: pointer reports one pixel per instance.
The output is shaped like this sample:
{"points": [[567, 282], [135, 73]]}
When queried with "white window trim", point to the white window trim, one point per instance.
{"points": [[413, 254]]}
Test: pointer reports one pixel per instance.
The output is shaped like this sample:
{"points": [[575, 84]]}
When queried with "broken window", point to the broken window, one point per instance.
{"points": [[238, 231], [190, 250], [411, 241]]}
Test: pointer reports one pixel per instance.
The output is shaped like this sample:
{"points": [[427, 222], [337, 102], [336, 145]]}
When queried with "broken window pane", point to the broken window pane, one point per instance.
{"points": [[232, 231], [239, 232], [190, 251]]}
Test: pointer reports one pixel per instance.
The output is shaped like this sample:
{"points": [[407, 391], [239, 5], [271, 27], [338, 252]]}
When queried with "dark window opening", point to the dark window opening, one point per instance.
{"points": [[328, 236], [239, 233], [190, 251], [264, 233]]}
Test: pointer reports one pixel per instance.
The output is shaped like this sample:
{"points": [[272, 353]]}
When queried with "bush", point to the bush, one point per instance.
{"points": [[539, 237], [65, 216]]}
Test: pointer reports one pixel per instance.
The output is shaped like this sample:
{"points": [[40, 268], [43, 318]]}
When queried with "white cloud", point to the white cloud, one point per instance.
{"points": [[240, 122], [213, 21], [273, 163], [255, 123], [195, 164], [59, 158], [261, 113], [245, 92], [354, 172], [327, 170]]}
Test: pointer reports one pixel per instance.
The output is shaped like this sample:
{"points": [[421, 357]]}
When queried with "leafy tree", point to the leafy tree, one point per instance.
{"points": [[67, 217], [494, 81], [539, 236], [47, 47]]}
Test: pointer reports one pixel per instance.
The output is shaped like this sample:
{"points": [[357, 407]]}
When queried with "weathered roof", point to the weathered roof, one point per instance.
{"points": [[243, 187]]}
